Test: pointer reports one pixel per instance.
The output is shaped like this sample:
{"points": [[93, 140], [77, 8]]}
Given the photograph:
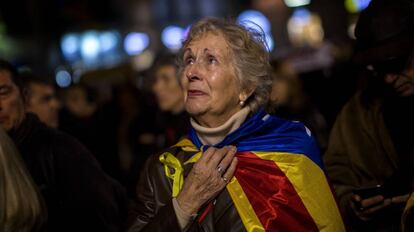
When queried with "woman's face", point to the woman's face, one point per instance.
{"points": [[211, 88], [167, 89]]}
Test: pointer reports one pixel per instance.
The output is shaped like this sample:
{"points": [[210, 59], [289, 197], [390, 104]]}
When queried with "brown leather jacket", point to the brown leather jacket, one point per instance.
{"points": [[154, 210]]}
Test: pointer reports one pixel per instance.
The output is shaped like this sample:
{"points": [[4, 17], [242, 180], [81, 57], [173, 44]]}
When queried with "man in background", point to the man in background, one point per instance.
{"points": [[41, 99], [370, 156], [78, 195]]}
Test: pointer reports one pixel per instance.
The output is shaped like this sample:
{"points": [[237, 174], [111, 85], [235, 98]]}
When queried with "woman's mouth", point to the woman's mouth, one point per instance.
{"points": [[195, 93]]}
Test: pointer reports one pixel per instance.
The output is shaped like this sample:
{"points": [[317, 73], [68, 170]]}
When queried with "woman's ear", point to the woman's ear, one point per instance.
{"points": [[246, 93]]}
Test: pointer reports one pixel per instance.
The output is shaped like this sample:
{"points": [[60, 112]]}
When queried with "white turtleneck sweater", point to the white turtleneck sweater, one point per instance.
{"points": [[211, 136]]}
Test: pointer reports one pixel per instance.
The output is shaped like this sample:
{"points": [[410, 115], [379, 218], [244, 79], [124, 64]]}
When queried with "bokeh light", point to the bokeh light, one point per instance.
{"points": [[90, 46], [108, 40], [172, 37], [136, 42], [70, 45], [253, 19], [269, 42], [355, 6], [63, 78], [296, 3], [305, 28]]}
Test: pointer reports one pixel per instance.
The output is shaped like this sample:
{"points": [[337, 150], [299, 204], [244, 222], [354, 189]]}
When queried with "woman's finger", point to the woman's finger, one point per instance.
{"points": [[218, 155], [206, 156], [226, 161], [226, 177]]}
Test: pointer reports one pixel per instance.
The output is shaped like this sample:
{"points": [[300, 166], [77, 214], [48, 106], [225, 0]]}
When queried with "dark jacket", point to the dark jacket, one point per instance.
{"points": [[79, 196], [155, 212], [361, 153]]}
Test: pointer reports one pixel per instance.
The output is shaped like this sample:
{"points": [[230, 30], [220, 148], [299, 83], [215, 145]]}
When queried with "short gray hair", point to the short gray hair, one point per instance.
{"points": [[250, 57]]}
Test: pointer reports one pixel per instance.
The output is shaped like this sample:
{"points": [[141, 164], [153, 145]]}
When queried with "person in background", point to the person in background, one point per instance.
{"points": [[128, 109], [170, 98], [78, 101], [41, 99], [170, 121], [370, 156], [22, 207], [79, 196], [240, 169], [78, 118], [292, 102]]}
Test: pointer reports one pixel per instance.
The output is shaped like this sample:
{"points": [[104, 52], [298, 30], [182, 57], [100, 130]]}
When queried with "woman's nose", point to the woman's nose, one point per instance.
{"points": [[193, 72]]}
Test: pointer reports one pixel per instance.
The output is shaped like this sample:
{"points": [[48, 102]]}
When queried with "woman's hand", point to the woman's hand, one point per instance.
{"points": [[209, 176]]}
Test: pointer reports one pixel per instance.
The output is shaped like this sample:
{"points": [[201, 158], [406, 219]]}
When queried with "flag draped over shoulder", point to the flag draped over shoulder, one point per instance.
{"points": [[408, 215], [279, 183]]}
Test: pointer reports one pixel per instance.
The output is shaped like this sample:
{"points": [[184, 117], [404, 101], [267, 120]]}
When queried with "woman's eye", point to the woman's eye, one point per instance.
{"points": [[212, 60], [189, 60]]}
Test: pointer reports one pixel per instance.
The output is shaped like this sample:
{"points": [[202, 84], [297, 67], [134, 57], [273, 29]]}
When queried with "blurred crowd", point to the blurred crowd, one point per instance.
{"points": [[359, 110], [122, 124]]}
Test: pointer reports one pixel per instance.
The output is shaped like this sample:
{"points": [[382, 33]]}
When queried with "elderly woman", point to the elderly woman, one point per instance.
{"points": [[240, 169]]}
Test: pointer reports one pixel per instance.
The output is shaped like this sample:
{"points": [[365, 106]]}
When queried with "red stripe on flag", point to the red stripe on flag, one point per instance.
{"points": [[272, 196]]}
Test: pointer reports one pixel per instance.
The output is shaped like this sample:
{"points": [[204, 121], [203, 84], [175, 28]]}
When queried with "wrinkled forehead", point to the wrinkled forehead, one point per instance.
{"points": [[196, 36], [214, 41]]}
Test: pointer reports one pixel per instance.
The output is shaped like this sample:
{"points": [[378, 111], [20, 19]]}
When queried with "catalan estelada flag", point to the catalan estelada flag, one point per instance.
{"points": [[406, 223], [279, 183]]}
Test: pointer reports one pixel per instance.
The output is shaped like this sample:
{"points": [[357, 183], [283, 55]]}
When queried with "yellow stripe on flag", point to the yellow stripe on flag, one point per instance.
{"points": [[311, 185], [407, 214], [246, 212]]}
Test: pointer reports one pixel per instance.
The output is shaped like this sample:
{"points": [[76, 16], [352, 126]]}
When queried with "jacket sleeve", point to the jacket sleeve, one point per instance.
{"points": [[89, 199], [338, 165], [154, 209]]}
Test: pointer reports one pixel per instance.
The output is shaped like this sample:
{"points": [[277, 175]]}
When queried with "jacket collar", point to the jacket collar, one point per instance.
{"points": [[22, 134]]}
